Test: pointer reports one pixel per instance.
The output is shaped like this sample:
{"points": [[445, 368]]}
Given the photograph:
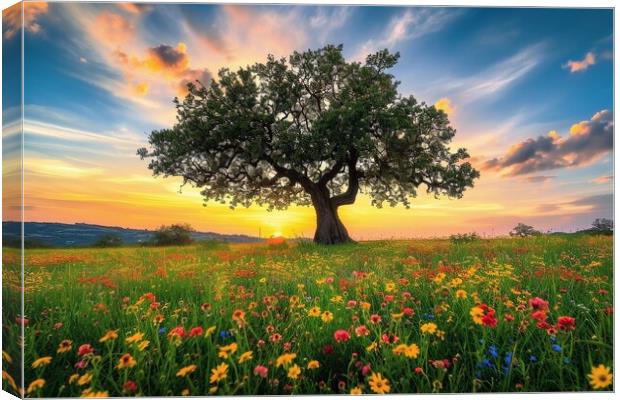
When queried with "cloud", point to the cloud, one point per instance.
{"points": [[445, 104], [167, 58], [539, 178], [412, 24], [12, 18], [603, 179], [112, 28], [134, 8], [581, 65], [587, 141], [326, 20]]}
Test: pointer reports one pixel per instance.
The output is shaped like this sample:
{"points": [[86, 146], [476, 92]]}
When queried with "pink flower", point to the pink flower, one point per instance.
{"points": [[261, 371], [375, 319], [329, 279], [408, 311], [389, 338], [58, 325], [81, 364], [341, 335], [366, 370], [351, 303], [19, 320], [388, 298]]}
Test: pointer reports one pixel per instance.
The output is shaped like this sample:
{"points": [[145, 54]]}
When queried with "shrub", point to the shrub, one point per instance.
{"points": [[461, 238], [173, 235]]}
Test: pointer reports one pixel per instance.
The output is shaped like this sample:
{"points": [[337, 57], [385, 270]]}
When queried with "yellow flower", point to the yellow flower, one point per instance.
{"points": [[429, 327], [185, 392], [371, 347], [74, 378], [136, 337], [247, 356], [285, 359], [262, 280], [314, 311], [400, 349], [389, 287], [210, 331], [6, 357], [455, 282], [225, 351], [365, 305], [143, 345], [109, 335], [476, 314], [313, 364], [65, 346], [412, 351], [461, 294], [356, 390], [327, 316], [219, 373], [212, 389], [336, 299], [294, 371], [183, 372], [41, 361], [85, 379], [439, 278], [126, 361], [600, 377], [398, 317], [90, 393], [35, 385], [379, 384]]}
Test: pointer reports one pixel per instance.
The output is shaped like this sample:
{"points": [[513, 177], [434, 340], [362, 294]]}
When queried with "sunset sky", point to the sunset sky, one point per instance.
{"points": [[530, 92]]}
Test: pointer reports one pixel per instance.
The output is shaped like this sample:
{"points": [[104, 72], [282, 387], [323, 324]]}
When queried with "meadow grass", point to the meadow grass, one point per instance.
{"points": [[398, 316]]}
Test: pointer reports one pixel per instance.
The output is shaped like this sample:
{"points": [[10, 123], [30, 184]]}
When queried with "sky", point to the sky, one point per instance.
{"points": [[529, 92]]}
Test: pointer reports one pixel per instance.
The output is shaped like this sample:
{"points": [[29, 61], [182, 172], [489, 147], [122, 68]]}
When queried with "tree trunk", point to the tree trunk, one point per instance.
{"points": [[329, 228]]}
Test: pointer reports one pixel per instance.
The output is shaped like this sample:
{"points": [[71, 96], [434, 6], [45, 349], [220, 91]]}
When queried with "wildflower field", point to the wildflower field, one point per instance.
{"points": [[499, 315]]}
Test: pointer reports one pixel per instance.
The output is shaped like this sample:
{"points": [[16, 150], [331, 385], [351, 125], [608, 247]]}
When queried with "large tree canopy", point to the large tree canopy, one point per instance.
{"points": [[310, 130]]}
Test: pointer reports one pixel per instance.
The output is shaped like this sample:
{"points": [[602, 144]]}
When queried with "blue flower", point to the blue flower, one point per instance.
{"points": [[493, 351], [428, 316], [487, 363], [557, 348], [162, 330], [505, 370], [533, 358], [508, 358], [225, 334]]}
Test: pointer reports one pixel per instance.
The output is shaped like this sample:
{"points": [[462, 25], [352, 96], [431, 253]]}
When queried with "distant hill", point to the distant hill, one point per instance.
{"points": [[41, 234]]}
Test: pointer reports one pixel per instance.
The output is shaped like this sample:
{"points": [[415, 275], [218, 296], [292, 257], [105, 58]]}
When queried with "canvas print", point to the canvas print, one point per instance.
{"points": [[262, 199]]}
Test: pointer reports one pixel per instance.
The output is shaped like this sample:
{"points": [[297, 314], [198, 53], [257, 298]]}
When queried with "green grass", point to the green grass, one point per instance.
{"points": [[80, 294]]}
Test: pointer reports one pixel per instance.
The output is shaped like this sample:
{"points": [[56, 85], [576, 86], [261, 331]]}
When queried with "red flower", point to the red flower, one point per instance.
{"points": [[408, 311], [539, 304], [388, 298], [539, 315], [177, 331], [508, 317], [130, 386], [341, 336], [328, 349], [566, 323], [389, 338], [84, 350], [375, 318], [362, 331], [366, 369], [489, 319], [196, 331], [543, 325]]}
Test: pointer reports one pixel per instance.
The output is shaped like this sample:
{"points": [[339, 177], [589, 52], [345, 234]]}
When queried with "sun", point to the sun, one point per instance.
{"points": [[277, 234]]}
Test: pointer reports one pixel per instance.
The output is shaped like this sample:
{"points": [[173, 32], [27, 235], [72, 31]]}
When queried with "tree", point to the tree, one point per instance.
{"points": [[522, 230], [173, 235], [603, 225], [109, 240], [311, 130]]}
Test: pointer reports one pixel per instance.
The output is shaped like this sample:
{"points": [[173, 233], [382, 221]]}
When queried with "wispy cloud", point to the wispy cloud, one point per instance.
{"points": [[410, 25], [603, 179], [494, 79], [12, 18]]}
